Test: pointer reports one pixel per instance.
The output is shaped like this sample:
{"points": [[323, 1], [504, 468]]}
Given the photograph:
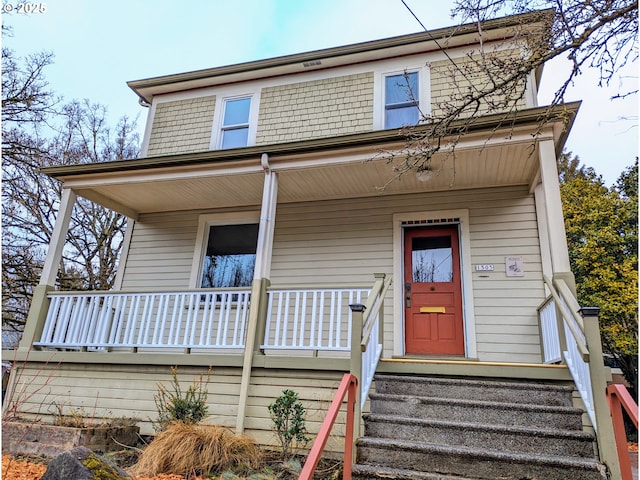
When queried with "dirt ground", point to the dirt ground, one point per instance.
{"points": [[19, 469]]}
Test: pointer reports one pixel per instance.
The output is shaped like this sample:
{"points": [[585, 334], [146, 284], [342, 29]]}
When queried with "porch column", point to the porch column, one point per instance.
{"points": [[40, 302], [262, 271], [555, 219]]}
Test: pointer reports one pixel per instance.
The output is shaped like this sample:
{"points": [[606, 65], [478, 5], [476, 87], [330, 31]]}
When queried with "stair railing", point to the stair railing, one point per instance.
{"points": [[348, 386], [367, 337], [619, 398], [579, 336]]}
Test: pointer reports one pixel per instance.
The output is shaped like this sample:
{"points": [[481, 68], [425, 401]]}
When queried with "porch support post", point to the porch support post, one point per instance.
{"points": [[355, 367], [259, 298], [599, 376], [40, 301], [555, 219]]}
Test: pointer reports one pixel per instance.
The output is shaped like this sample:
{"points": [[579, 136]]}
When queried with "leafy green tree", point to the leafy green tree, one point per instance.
{"points": [[602, 234]]}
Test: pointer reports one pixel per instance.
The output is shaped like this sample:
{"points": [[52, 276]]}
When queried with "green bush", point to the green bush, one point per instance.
{"points": [[174, 405], [287, 414]]}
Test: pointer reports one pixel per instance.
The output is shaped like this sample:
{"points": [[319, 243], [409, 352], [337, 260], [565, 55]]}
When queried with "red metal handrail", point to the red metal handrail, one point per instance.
{"points": [[619, 397], [349, 384]]}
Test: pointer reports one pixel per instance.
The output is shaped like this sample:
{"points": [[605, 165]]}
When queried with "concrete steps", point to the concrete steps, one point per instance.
{"points": [[449, 428]]}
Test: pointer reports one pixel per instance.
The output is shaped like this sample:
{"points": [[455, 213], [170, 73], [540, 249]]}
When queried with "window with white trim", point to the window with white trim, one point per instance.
{"points": [[234, 131], [401, 99], [225, 251], [230, 257]]}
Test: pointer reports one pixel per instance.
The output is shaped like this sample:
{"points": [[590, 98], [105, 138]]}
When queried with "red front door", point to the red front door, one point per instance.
{"points": [[433, 291]]}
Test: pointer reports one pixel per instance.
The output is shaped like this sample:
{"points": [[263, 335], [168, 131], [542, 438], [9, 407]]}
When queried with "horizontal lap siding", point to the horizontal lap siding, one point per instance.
{"points": [[161, 252], [315, 390], [342, 243], [334, 243], [505, 307], [111, 391], [128, 391], [321, 244]]}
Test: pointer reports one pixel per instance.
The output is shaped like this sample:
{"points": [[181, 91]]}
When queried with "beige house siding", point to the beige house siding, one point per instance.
{"points": [[128, 391], [342, 243], [315, 390], [161, 251], [181, 126], [123, 390], [345, 241], [319, 108], [451, 83]]}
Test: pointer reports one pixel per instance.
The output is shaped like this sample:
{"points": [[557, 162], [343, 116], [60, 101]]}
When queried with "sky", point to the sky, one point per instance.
{"points": [[100, 45]]}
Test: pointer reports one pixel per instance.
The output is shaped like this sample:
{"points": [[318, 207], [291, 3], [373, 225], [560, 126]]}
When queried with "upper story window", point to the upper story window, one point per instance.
{"points": [[235, 123], [401, 100]]}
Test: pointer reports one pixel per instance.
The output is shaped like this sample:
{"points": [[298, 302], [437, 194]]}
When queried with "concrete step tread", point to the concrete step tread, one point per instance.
{"points": [[482, 454], [476, 382], [475, 426], [531, 407], [388, 473]]}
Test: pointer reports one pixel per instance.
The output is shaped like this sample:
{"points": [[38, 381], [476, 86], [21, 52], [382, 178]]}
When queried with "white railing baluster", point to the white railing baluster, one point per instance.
{"points": [[118, 319], [276, 334], [227, 316], [318, 342], [52, 315], [314, 318], [285, 321]]}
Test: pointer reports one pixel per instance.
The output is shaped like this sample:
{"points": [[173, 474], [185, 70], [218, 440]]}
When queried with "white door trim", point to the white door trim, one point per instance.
{"points": [[440, 217]]}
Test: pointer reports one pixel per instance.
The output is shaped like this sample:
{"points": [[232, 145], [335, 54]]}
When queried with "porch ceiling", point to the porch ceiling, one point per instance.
{"points": [[330, 175]]}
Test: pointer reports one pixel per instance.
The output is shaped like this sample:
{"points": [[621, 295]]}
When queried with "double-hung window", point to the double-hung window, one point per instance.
{"points": [[401, 100], [230, 256], [235, 123]]}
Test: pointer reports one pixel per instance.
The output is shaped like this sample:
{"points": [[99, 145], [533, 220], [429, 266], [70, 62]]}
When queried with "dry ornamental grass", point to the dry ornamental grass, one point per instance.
{"points": [[192, 450]]}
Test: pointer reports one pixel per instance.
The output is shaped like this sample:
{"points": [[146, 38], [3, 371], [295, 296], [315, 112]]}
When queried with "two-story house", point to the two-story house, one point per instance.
{"points": [[267, 201]]}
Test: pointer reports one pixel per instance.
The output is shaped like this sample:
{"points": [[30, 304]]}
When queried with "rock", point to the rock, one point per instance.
{"points": [[81, 463]]}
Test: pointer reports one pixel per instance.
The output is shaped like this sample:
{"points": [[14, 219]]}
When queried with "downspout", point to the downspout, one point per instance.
{"points": [[255, 327]]}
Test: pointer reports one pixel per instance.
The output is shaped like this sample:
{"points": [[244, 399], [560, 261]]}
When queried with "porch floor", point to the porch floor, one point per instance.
{"points": [[474, 368]]}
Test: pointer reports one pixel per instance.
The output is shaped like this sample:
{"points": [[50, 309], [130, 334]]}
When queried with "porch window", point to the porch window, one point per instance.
{"points": [[230, 257], [235, 123], [401, 104]]}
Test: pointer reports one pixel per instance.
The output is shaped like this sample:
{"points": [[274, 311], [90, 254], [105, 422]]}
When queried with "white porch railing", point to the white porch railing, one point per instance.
{"points": [[310, 319], [371, 322], [549, 332], [576, 354], [190, 319]]}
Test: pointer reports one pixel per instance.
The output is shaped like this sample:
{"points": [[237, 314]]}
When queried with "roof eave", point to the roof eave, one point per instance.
{"points": [[563, 114], [288, 64]]}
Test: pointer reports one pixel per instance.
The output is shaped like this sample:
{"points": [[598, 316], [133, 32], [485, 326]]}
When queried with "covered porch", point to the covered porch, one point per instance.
{"points": [[267, 180], [331, 321]]}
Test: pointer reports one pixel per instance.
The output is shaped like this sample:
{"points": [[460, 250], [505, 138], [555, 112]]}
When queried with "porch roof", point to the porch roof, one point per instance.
{"points": [[494, 151]]}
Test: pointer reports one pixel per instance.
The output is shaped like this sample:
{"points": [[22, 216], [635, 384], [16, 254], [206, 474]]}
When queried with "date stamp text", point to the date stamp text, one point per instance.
{"points": [[24, 8]]}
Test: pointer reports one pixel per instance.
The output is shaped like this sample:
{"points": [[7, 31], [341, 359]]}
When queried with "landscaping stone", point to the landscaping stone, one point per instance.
{"points": [[81, 463], [50, 440]]}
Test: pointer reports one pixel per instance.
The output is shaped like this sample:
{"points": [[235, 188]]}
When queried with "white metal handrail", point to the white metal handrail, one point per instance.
{"points": [[187, 319], [310, 319]]}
